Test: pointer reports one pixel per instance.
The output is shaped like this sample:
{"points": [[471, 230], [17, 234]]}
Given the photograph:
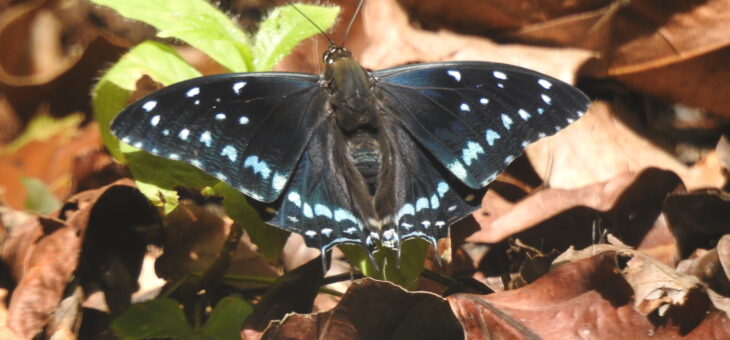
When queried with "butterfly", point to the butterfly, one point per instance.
{"points": [[352, 156]]}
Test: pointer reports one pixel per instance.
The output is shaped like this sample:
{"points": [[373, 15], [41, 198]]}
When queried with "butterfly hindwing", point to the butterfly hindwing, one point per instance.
{"points": [[248, 130], [326, 200], [476, 117], [425, 199]]}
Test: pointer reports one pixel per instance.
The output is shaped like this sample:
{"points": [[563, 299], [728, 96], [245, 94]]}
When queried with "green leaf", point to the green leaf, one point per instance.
{"points": [[39, 199], [284, 28], [413, 255], [157, 177], [226, 320], [43, 127], [195, 22], [270, 240], [158, 318], [158, 61]]}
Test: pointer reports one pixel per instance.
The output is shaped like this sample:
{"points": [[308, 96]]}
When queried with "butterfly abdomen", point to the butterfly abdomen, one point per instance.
{"points": [[364, 151]]}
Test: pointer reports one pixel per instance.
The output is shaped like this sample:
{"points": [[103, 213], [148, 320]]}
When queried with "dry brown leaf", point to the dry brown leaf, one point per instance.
{"points": [[373, 309], [293, 292], [697, 219], [629, 199], [605, 143], [194, 237], [656, 286], [701, 82], [484, 17], [587, 298], [44, 253], [383, 37], [50, 160]]}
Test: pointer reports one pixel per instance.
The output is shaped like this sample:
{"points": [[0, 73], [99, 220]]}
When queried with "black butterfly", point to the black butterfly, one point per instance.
{"points": [[354, 156]]}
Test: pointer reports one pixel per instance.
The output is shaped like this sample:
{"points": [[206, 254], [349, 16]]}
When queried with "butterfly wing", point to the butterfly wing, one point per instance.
{"points": [[421, 200], [326, 200], [249, 130], [476, 117]]}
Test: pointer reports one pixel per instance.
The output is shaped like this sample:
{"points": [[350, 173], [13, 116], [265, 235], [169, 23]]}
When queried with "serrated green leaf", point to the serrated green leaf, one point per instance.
{"points": [[269, 239], [413, 255], [39, 199], [158, 61], [158, 318], [284, 28], [226, 320], [195, 22], [43, 127]]}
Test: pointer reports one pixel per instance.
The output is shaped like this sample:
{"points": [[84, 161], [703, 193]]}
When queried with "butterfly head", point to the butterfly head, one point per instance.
{"points": [[335, 53]]}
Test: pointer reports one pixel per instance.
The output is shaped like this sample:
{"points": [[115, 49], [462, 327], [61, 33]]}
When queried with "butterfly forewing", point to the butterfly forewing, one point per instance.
{"points": [[476, 117], [248, 130]]}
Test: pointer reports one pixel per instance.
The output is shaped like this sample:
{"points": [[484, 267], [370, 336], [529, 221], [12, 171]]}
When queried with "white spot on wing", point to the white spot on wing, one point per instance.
{"points": [[310, 233], [295, 198], [442, 188], [220, 116], [230, 152], [326, 232], [307, 211], [471, 152], [173, 156], [545, 84], [499, 75], [321, 210], [206, 139], [406, 209], [464, 107], [524, 114], [434, 202], [258, 166], [491, 136], [166, 132], [155, 120], [148, 106], [278, 182], [342, 215], [506, 121], [421, 203], [243, 120], [546, 99], [184, 133], [509, 159], [238, 86], [193, 92], [484, 101], [458, 170], [454, 74]]}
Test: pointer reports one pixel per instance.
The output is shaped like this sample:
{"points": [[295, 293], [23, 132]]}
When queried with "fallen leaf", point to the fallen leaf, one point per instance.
{"points": [[373, 309], [590, 295]]}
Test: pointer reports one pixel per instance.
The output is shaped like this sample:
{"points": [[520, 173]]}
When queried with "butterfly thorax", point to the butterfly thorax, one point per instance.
{"points": [[355, 111], [349, 87]]}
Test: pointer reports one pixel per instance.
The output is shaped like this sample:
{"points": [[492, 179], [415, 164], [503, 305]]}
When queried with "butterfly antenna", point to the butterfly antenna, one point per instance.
{"points": [[312, 22], [352, 20]]}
